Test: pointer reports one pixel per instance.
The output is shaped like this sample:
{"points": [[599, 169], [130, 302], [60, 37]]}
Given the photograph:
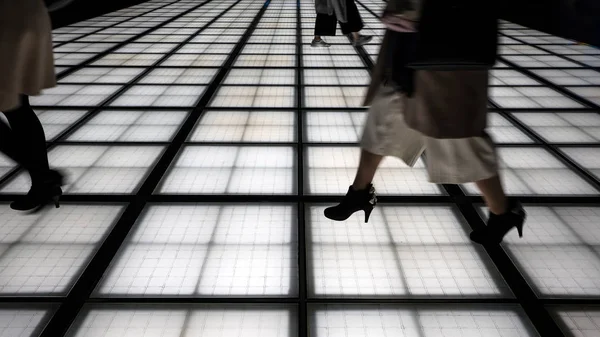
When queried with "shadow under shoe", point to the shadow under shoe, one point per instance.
{"points": [[42, 194], [499, 225], [361, 200]]}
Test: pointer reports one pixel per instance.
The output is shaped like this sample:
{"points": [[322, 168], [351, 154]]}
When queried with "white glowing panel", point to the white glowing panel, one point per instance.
{"points": [[75, 95], [160, 95], [334, 127], [328, 61], [231, 170], [592, 94], [202, 60], [530, 97], [247, 126], [57, 121], [96, 169], [133, 59], [263, 96], [139, 126], [44, 253], [177, 321], [578, 321], [71, 59], [403, 251], [261, 77], [103, 75], [423, 321], [541, 61], [179, 76], [335, 97], [588, 158], [332, 169], [568, 127], [534, 171], [245, 60], [233, 250], [22, 322]]}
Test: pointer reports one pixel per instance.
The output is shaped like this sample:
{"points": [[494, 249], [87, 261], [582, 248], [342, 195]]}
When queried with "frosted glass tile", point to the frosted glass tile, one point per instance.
{"points": [[541, 61], [570, 77], [562, 127], [578, 321], [202, 60], [508, 134], [147, 48], [238, 126], [510, 77], [44, 253], [57, 121], [266, 97], [336, 77], [96, 169], [128, 60], [176, 321], [334, 97], [589, 60], [103, 75], [206, 48], [559, 270], [75, 47], [137, 126], [233, 250], [179, 76], [530, 97], [21, 321], [71, 59], [270, 49], [231, 170], [75, 95], [338, 50], [423, 321], [160, 95], [332, 169], [534, 171], [588, 158], [327, 61], [246, 60], [334, 127], [592, 94], [261, 77]]}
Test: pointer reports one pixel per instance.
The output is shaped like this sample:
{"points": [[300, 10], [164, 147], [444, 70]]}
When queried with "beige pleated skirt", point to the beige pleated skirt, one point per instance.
{"points": [[448, 161], [26, 57]]}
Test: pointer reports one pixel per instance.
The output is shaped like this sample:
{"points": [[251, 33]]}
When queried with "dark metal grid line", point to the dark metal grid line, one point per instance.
{"points": [[303, 330], [81, 291]]}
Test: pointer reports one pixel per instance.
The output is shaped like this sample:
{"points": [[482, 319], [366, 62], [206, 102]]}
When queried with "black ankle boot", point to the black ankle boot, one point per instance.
{"points": [[354, 201], [41, 194], [499, 225]]}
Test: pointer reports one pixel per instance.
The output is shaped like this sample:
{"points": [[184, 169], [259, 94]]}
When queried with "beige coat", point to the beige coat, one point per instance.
{"points": [[26, 58], [446, 104]]}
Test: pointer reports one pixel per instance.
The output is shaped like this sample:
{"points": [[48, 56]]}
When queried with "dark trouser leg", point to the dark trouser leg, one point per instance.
{"points": [[355, 23], [29, 140], [325, 25]]}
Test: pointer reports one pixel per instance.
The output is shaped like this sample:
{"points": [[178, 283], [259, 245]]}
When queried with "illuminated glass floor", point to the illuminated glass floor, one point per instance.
{"points": [[203, 138]]}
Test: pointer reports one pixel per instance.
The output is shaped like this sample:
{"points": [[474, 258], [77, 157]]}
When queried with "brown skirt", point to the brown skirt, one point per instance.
{"points": [[26, 57]]}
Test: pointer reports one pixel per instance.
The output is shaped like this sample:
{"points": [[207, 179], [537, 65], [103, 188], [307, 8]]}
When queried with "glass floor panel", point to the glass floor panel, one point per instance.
{"points": [[202, 142]]}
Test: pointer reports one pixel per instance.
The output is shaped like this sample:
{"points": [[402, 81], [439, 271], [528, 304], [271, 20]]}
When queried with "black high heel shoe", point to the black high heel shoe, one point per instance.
{"points": [[354, 201], [499, 225], [41, 195]]}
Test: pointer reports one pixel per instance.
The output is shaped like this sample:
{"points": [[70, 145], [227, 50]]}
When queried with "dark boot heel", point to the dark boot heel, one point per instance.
{"points": [[520, 230], [56, 201], [368, 211]]}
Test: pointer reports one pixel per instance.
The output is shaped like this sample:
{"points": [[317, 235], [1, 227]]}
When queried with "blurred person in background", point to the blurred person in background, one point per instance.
{"points": [[329, 13], [26, 68]]}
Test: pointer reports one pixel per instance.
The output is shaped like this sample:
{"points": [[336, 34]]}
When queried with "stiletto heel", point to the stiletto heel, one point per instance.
{"points": [[361, 200], [520, 230], [368, 211], [56, 200]]}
